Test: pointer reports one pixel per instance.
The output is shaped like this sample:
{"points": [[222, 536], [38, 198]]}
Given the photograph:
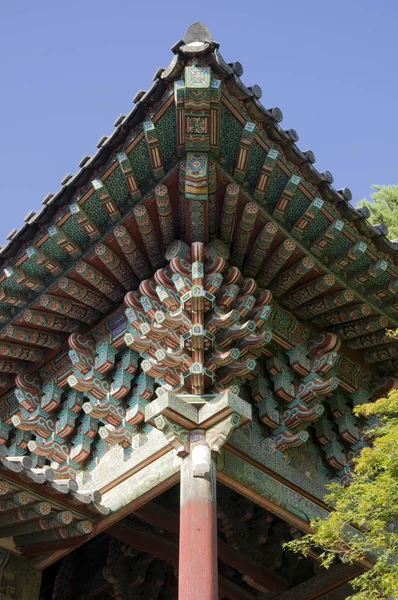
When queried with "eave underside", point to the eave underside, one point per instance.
{"points": [[208, 188]]}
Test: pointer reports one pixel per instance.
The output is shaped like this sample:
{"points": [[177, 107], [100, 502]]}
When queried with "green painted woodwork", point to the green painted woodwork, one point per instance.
{"points": [[141, 164], [255, 164], [275, 188], [167, 138], [231, 133]]}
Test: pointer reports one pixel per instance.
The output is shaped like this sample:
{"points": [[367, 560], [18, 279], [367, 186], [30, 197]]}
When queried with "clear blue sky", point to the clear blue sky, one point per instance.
{"points": [[69, 68]]}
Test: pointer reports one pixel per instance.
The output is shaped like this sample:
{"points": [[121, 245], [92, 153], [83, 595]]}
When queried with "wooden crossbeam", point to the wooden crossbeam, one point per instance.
{"points": [[324, 582], [50, 552], [169, 521], [232, 591], [168, 551]]}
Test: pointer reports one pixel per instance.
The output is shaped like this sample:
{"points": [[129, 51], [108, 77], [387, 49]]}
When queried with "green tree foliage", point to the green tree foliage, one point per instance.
{"points": [[369, 503], [384, 207]]}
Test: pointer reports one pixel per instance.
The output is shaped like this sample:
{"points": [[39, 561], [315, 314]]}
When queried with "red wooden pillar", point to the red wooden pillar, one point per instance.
{"points": [[198, 573]]}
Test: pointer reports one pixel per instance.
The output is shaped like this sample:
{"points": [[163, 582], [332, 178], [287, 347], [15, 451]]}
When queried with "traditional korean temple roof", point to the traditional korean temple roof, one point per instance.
{"points": [[231, 73], [198, 202]]}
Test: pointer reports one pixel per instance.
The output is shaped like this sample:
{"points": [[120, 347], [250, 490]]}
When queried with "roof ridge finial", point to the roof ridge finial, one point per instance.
{"points": [[197, 32]]}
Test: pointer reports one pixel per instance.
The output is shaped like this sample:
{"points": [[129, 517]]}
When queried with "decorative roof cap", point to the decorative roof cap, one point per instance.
{"points": [[197, 34]]}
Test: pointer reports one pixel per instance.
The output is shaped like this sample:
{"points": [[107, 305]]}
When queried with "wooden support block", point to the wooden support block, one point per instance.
{"points": [[303, 222], [242, 158], [286, 197], [154, 149], [25, 279], [129, 176], [64, 241], [330, 234], [265, 175], [85, 222], [108, 202], [47, 262]]}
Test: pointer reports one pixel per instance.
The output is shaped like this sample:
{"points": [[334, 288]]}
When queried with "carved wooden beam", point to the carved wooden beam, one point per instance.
{"points": [[228, 213], [105, 285], [293, 275], [22, 527], [259, 249], [360, 328], [344, 315], [381, 354], [348, 257], [276, 262], [325, 304], [308, 291], [369, 341], [196, 197], [303, 222], [327, 237], [10, 366], [132, 252], [80, 528], [71, 309], [372, 272], [243, 233], [33, 336], [122, 273], [181, 199], [84, 294], [148, 235], [164, 215], [20, 352], [43, 319], [212, 202]]}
